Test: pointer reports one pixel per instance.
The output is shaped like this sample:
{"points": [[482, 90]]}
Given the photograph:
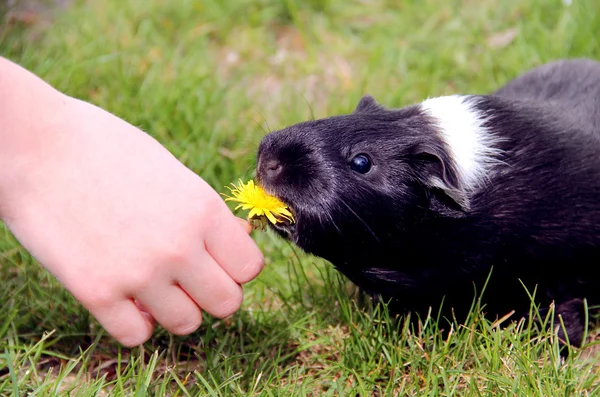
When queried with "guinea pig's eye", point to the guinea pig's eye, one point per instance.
{"points": [[361, 163]]}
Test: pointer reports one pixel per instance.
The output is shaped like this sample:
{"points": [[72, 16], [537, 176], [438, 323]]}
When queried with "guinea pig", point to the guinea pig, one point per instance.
{"points": [[431, 202]]}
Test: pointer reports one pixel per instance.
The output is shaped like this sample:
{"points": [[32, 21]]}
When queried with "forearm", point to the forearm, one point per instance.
{"points": [[30, 113]]}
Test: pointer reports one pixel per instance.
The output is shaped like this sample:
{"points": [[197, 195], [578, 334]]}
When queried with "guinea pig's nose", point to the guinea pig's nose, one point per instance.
{"points": [[272, 169]]}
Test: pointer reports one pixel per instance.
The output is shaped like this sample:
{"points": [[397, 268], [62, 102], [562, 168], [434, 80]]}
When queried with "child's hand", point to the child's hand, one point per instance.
{"points": [[123, 225]]}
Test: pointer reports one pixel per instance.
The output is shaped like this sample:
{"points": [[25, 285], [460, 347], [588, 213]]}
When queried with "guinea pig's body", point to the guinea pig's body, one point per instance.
{"points": [[418, 205]]}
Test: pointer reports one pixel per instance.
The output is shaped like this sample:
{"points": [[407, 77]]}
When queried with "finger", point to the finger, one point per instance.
{"points": [[232, 248], [144, 311], [212, 288], [171, 307], [245, 224], [125, 322]]}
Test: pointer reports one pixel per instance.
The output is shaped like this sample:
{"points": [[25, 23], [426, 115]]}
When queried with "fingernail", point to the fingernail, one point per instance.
{"points": [[246, 225]]}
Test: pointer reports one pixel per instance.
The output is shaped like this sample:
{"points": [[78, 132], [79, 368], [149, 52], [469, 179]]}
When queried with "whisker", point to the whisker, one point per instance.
{"points": [[328, 214], [362, 221]]}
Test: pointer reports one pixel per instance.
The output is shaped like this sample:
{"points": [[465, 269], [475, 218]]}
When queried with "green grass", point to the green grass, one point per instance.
{"points": [[208, 79]]}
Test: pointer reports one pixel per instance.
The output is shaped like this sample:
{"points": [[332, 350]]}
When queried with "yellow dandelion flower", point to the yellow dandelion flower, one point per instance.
{"points": [[261, 204]]}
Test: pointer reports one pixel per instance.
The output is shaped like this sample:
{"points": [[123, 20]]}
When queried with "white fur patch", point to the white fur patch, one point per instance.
{"points": [[470, 144]]}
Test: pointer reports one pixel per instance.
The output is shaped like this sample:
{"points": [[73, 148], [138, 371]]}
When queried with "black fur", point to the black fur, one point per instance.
{"points": [[393, 232]]}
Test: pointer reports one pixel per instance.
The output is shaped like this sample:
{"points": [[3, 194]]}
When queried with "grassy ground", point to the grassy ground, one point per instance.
{"points": [[208, 79]]}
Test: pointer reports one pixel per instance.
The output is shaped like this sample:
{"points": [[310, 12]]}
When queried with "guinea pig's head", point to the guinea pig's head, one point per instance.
{"points": [[360, 184]]}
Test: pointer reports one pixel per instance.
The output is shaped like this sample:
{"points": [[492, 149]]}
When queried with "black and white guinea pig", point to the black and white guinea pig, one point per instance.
{"points": [[417, 205]]}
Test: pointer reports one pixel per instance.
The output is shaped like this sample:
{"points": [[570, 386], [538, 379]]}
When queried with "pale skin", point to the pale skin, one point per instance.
{"points": [[131, 232]]}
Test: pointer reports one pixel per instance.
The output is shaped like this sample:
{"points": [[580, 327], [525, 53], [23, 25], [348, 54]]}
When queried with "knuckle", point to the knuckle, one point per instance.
{"points": [[175, 252], [137, 281], [212, 209], [96, 298]]}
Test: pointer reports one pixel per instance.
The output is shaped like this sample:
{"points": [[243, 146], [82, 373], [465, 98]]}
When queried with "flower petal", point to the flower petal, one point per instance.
{"points": [[253, 197], [270, 217]]}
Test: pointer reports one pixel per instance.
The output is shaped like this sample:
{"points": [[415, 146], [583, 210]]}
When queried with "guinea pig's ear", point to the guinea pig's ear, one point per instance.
{"points": [[437, 172], [368, 104]]}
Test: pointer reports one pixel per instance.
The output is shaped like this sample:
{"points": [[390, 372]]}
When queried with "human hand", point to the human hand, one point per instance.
{"points": [[123, 225]]}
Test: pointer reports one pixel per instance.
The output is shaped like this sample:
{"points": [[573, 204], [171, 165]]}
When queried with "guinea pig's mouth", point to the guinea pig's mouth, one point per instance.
{"points": [[285, 229], [284, 226]]}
